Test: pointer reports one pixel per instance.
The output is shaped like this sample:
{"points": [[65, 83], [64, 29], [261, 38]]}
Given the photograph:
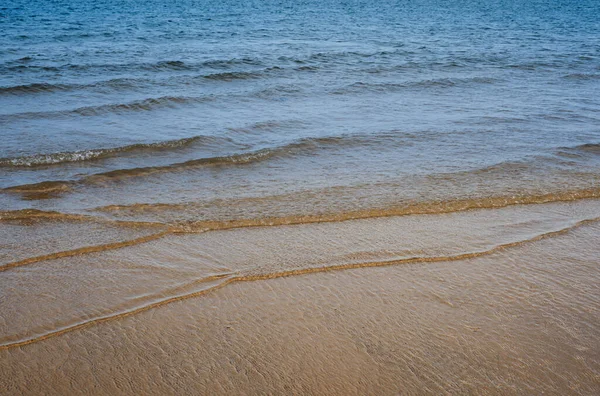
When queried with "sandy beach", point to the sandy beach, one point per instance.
{"points": [[315, 197], [429, 304]]}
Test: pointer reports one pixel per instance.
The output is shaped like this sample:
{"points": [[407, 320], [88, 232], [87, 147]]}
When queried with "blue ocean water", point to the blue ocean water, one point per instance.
{"points": [[210, 110]]}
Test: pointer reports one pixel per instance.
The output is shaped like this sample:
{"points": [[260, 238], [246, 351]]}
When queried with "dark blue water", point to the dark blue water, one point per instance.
{"points": [[235, 109]]}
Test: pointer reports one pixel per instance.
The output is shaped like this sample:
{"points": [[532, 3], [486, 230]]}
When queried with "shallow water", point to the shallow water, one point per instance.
{"points": [[176, 179], [309, 108], [472, 302]]}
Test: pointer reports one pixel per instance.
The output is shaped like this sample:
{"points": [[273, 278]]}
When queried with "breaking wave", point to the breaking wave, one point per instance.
{"points": [[38, 160]]}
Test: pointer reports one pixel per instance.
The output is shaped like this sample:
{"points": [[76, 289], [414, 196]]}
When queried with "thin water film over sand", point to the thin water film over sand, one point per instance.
{"points": [[469, 302], [310, 197]]}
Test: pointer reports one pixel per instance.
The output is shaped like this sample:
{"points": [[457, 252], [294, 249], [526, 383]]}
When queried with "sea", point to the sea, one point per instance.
{"points": [[231, 110]]}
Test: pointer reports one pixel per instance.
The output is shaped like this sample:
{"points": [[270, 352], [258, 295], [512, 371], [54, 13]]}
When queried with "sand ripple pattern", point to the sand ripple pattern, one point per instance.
{"points": [[211, 282]]}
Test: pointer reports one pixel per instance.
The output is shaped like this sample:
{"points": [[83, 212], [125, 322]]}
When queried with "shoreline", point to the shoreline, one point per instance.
{"points": [[520, 272]]}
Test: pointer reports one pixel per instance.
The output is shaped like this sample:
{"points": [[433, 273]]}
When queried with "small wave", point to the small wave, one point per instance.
{"points": [[49, 189], [177, 65], [26, 214], [170, 64], [429, 83], [230, 76], [533, 65], [278, 92], [582, 76], [307, 68], [141, 105], [43, 190], [234, 159], [582, 149], [42, 160], [33, 68], [84, 250], [450, 82], [328, 56], [264, 126], [222, 63], [46, 187], [95, 154], [163, 65], [589, 147], [90, 111], [37, 88], [33, 88]]}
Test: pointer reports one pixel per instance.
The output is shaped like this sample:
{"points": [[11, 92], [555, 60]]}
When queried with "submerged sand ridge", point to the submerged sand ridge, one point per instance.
{"points": [[515, 319]]}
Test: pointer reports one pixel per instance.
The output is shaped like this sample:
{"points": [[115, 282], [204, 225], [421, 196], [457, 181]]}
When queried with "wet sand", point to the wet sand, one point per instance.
{"points": [[477, 302]]}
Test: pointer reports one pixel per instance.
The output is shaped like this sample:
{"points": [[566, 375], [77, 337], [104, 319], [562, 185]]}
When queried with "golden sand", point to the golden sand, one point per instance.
{"points": [[501, 301]]}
